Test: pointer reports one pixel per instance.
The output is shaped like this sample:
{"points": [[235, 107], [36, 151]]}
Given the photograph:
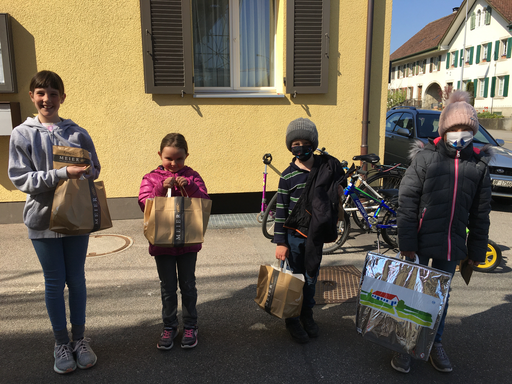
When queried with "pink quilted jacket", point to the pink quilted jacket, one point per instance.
{"points": [[151, 186]]}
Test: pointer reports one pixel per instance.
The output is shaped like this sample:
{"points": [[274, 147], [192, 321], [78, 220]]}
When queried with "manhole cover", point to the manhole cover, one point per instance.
{"points": [[337, 284], [102, 245]]}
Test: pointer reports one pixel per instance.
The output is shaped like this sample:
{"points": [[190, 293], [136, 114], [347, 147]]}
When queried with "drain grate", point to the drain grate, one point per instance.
{"points": [[337, 284], [102, 245]]}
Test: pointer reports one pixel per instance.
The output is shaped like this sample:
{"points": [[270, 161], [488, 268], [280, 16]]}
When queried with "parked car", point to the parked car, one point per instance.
{"points": [[406, 124]]}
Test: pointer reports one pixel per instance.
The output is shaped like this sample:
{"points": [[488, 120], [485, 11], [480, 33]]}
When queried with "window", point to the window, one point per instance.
{"points": [[454, 57], [229, 46], [392, 120], [469, 56], [423, 66], [478, 18], [503, 83], [481, 87], [505, 48], [488, 12], [7, 69], [402, 71], [223, 61], [438, 63], [409, 92], [393, 73], [409, 69]]}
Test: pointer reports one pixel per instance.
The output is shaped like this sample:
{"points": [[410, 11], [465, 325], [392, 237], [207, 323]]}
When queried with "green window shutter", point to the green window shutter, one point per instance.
{"points": [[486, 86], [473, 17], [475, 90], [471, 50], [496, 50], [167, 46], [448, 60], [509, 47], [455, 58], [458, 84], [488, 12], [477, 59], [489, 51], [307, 46], [505, 86], [493, 86]]}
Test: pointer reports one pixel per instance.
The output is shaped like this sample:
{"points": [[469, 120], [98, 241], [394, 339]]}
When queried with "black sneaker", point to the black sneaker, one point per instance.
{"points": [[167, 338], [298, 333], [439, 359], [309, 324], [189, 339], [401, 362]]}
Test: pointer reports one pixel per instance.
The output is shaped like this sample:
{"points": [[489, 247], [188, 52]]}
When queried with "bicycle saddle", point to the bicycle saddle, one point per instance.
{"points": [[388, 192], [369, 158]]}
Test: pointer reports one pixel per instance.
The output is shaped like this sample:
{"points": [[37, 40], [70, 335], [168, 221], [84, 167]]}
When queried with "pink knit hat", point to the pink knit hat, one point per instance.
{"points": [[458, 111]]}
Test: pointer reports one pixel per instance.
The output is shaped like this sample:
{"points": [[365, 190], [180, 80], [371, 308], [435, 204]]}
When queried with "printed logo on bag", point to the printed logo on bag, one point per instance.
{"points": [[400, 302], [96, 208], [70, 159], [179, 223], [271, 289]]}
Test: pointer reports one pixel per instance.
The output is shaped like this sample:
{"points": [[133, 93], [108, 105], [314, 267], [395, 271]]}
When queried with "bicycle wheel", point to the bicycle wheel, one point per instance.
{"points": [[343, 230], [267, 226], [390, 235], [492, 258], [376, 181]]}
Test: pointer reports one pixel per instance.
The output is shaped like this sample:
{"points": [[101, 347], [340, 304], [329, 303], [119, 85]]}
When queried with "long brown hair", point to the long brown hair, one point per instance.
{"points": [[174, 140]]}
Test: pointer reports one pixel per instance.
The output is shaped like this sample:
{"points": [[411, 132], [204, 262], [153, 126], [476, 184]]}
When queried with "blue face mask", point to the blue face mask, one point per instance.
{"points": [[303, 152]]}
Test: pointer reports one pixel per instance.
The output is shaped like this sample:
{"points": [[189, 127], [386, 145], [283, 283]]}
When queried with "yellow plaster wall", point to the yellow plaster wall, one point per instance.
{"points": [[95, 46]]}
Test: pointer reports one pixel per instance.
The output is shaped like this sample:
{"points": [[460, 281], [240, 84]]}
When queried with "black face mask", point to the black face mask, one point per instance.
{"points": [[303, 153]]}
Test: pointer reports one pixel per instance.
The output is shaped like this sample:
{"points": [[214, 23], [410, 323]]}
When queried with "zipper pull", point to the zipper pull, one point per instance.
{"points": [[458, 154]]}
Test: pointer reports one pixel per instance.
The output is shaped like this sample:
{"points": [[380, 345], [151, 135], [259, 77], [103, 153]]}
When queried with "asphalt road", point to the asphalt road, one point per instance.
{"points": [[238, 342]]}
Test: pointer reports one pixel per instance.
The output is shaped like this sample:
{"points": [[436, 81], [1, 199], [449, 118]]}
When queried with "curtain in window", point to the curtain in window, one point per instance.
{"points": [[210, 20], [256, 43]]}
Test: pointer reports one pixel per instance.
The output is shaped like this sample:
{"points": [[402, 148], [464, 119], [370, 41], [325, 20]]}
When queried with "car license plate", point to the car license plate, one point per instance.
{"points": [[502, 183]]}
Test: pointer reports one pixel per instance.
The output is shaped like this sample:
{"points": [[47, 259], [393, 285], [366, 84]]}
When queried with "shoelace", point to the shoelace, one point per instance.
{"points": [[63, 351], [440, 352], [81, 346], [166, 334], [188, 333]]}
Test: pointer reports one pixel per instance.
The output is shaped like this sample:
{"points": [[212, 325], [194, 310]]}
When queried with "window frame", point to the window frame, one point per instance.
{"points": [[7, 55], [234, 57]]}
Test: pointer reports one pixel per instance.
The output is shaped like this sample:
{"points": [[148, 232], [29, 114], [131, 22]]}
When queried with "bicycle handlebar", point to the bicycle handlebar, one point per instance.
{"points": [[267, 158]]}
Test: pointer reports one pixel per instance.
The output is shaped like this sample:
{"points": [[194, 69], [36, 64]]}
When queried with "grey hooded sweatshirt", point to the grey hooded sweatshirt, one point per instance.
{"points": [[31, 167]]}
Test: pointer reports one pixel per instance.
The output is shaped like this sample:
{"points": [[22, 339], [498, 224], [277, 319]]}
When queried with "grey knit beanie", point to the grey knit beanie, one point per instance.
{"points": [[458, 111], [301, 129]]}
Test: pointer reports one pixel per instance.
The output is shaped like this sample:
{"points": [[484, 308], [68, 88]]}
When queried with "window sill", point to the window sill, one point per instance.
{"points": [[245, 95], [499, 97]]}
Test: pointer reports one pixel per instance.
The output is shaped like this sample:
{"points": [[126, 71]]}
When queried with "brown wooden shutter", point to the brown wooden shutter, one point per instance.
{"points": [[167, 46], [307, 46]]}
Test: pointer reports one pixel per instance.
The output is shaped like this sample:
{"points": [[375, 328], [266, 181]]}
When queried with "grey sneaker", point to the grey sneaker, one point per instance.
{"points": [[401, 362], [167, 338], [439, 359], [189, 339], [64, 360], [85, 357]]}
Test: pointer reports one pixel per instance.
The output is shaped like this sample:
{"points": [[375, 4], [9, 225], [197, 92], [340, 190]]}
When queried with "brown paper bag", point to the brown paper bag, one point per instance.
{"points": [[176, 221], [79, 207], [279, 291]]}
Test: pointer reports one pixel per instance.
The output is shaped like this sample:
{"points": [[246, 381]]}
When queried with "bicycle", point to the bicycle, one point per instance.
{"points": [[375, 205], [380, 177]]}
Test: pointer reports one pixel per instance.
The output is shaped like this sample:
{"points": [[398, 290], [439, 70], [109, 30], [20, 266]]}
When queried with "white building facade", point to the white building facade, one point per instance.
{"points": [[477, 50]]}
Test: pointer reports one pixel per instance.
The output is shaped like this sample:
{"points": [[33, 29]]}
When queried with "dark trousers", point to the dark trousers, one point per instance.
{"points": [[171, 270], [447, 266], [296, 259]]}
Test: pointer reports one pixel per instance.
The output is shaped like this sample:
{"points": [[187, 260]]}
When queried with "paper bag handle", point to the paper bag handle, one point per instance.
{"points": [[183, 191]]}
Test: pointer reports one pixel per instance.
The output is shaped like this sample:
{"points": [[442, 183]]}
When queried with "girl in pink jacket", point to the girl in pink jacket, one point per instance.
{"points": [[175, 264]]}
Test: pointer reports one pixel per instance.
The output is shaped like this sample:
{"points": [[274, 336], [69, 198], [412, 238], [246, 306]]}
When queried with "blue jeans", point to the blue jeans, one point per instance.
{"points": [[447, 266], [296, 259], [63, 262], [171, 270]]}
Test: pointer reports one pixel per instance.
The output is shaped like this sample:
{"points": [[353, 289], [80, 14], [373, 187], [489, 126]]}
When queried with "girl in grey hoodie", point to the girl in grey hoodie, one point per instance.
{"points": [[62, 257]]}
